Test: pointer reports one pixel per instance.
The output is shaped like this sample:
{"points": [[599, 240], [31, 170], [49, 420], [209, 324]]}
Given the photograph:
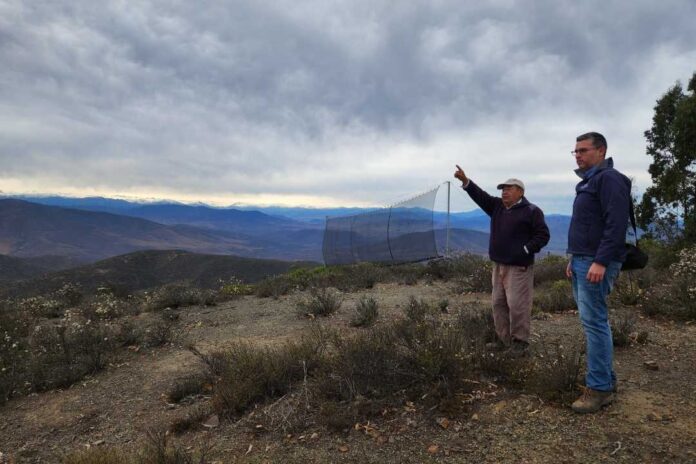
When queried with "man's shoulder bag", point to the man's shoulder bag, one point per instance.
{"points": [[635, 257]]}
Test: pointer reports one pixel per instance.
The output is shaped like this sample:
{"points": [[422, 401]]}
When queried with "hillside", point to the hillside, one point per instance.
{"points": [[12, 268], [146, 269]]}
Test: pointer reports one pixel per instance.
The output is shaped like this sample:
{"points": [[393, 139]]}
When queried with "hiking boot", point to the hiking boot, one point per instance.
{"points": [[592, 401], [519, 349]]}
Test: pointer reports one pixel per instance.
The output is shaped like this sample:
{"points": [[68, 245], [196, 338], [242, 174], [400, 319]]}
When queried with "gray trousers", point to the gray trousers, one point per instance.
{"points": [[513, 288]]}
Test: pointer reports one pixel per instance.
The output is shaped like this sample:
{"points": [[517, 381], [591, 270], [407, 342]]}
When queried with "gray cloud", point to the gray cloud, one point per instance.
{"points": [[347, 102]]}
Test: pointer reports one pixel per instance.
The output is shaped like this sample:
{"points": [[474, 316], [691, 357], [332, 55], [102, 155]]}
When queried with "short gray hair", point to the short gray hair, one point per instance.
{"points": [[597, 139]]}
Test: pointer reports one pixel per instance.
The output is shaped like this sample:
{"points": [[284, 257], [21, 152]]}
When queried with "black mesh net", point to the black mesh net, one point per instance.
{"points": [[402, 233]]}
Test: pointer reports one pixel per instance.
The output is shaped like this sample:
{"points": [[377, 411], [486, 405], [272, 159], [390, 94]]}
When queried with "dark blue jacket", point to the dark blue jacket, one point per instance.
{"points": [[600, 214], [512, 228]]}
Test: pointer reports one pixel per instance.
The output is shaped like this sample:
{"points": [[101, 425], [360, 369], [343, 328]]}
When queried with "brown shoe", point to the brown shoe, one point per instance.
{"points": [[519, 349], [592, 401]]}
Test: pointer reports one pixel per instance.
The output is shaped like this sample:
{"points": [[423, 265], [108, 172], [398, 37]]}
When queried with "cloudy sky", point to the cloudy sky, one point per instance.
{"points": [[326, 103]]}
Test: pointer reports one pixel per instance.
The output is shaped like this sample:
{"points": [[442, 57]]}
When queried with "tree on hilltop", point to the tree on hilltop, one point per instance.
{"points": [[668, 207]]}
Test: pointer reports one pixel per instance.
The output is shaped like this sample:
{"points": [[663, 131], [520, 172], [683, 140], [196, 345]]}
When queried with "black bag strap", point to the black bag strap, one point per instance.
{"points": [[632, 216]]}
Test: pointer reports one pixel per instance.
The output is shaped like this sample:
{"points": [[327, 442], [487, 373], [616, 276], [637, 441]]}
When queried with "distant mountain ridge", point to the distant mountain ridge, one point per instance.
{"points": [[32, 230], [78, 228]]}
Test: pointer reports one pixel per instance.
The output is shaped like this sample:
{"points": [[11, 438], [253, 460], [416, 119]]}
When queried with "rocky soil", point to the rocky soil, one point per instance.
{"points": [[653, 419]]}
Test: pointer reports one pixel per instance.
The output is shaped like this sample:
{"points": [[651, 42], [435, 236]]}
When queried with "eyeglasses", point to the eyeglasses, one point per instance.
{"points": [[581, 151]]}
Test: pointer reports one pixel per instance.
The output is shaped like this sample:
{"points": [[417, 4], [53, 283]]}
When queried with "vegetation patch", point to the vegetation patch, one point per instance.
{"points": [[366, 312]]}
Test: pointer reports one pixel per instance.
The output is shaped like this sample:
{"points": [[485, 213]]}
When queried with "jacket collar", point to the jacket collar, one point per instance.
{"points": [[521, 202], [587, 173]]}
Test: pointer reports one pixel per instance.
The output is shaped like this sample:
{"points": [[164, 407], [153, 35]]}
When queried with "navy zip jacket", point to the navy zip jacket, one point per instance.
{"points": [[512, 229], [600, 214]]}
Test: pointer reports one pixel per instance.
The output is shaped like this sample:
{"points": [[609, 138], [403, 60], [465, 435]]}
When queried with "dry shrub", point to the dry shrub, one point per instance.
{"points": [[623, 324], [191, 418], [175, 296], [554, 297], [625, 290], [322, 302], [107, 455], [551, 268], [158, 332], [156, 450], [190, 384], [418, 355], [273, 287], [473, 272], [553, 371], [248, 374], [366, 312], [417, 309], [60, 354], [15, 327]]}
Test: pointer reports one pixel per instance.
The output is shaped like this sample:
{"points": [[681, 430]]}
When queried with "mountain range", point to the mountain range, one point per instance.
{"points": [[53, 233]]}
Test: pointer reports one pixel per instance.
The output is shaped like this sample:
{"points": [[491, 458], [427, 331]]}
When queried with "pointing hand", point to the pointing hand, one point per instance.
{"points": [[459, 174]]}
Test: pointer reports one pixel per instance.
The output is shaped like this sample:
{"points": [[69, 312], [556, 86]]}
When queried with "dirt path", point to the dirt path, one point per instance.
{"points": [[654, 419]]}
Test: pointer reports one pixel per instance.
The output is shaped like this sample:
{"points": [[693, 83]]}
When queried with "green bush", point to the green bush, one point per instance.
{"points": [[274, 287], [234, 288], [472, 272], [551, 268], [554, 297], [674, 295]]}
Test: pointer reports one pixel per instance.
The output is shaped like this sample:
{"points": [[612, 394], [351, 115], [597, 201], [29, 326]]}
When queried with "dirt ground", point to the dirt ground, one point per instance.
{"points": [[653, 419]]}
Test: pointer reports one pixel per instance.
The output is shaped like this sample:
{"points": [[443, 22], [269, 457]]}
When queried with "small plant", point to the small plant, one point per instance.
{"points": [[417, 309], [555, 297], [248, 373], [323, 302], [175, 296], [443, 305], [623, 327], [554, 371], [626, 291], [191, 384], [550, 268], [366, 312], [234, 288], [158, 333], [274, 287]]}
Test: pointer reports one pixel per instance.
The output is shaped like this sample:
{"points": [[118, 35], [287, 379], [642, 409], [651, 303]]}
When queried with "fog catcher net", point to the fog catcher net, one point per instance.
{"points": [[399, 234]]}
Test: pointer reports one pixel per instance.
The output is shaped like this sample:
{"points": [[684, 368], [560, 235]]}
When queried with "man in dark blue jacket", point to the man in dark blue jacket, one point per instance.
{"points": [[596, 243], [518, 231]]}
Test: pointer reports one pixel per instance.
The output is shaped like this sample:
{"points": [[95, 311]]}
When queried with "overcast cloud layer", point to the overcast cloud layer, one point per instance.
{"points": [[327, 103]]}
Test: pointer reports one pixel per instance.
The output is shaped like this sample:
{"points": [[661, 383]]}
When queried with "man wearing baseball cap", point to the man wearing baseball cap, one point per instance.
{"points": [[518, 231]]}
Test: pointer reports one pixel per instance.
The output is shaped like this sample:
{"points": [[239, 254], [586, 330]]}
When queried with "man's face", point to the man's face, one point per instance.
{"points": [[511, 194], [586, 155]]}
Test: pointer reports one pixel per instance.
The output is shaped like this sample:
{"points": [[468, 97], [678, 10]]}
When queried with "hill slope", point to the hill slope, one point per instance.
{"points": [[146, 269]]}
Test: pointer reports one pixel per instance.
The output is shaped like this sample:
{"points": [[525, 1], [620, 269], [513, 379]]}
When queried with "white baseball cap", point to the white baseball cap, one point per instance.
{"points": [[511, 181]]}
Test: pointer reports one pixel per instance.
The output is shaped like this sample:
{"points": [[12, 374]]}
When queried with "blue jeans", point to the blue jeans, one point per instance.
{"points": [[591, 299]]}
